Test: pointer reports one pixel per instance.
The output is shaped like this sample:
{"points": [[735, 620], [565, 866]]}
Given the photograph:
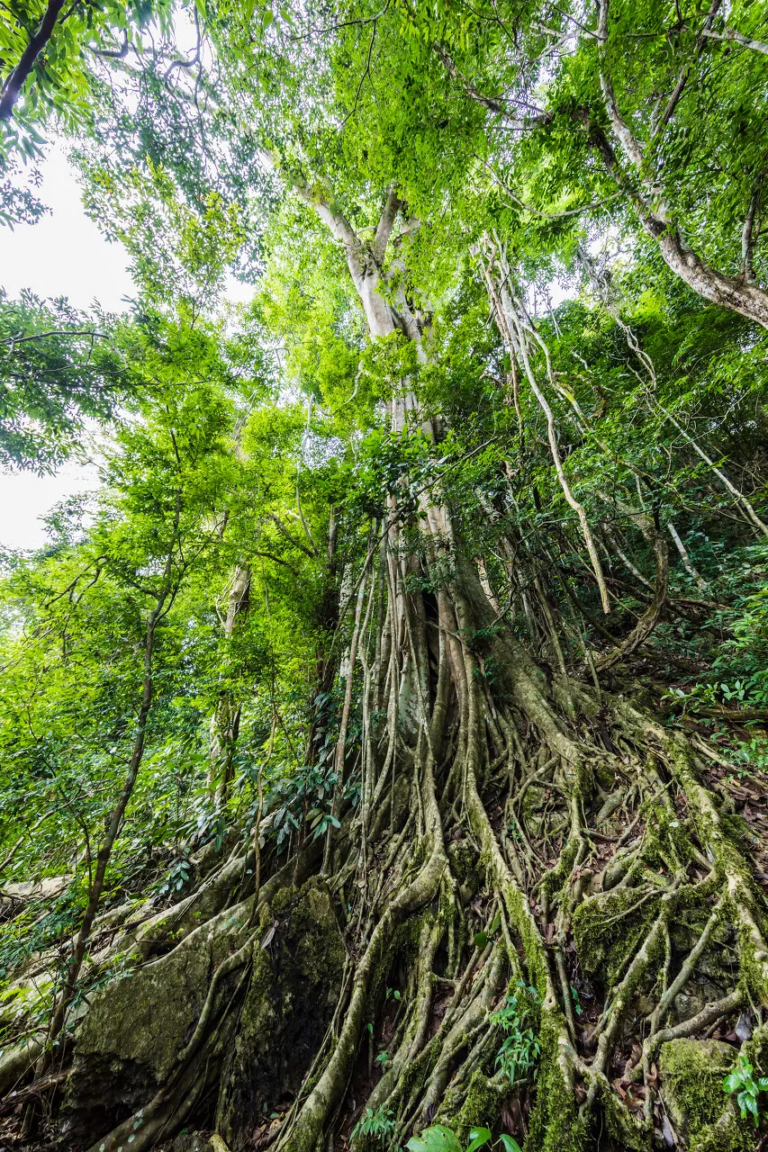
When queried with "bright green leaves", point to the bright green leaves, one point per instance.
{"points": [[438, 1138], [58, 366], [378, 1125], [518, 1056], [179, 254], [746, 1087], [56, 79], [478, 1137]]}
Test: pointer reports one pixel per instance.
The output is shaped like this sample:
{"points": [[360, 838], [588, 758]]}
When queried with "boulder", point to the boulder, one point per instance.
{"points": [[702, 1115], [128, 1041], [294, 987]]}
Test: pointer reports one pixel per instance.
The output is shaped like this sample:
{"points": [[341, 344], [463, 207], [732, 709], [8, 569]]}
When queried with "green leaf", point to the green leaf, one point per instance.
{"points": [[495, 923], [732, 1082], [510, 1144], [477, 1138], [481, 939], [438, 1138]]}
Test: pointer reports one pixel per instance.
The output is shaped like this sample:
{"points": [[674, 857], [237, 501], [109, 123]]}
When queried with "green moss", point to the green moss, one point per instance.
{"points": [[555, 1123], [620, 1125], [465, 864], [692, 1073], [607, 933], [292, 993], [728, 1135], [146, 1018], [481, 1106]]}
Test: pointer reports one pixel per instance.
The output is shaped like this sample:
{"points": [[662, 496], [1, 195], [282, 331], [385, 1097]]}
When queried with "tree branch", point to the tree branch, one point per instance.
{"points": [[732, 34], [497, 106], [15, 80], [386, 223]]}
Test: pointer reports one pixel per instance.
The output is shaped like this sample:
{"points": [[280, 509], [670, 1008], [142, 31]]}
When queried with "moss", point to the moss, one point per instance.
{"points": [[620, 1125], [292, 993], [525, 926], [692, 1073], [481, 1106], [129, 1040], [728, 1135], [465, 864], [605, 775], [606, 932], [146, 1017], [557, 876], [555, 1124]]}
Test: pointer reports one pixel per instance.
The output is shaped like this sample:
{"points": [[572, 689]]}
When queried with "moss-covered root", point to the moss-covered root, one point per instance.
{"points": [[555, 1124], [432, 932], [310, 1123]]}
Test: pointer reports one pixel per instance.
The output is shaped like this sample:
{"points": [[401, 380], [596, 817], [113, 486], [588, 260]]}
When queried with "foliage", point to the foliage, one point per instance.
{"points": [[519, 1053], [438, 1138], [379, 1126], [742, 1083], [479, 438], [59, 76]]}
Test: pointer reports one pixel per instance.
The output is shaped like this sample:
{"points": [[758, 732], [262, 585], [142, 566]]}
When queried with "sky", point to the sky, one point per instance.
{"points": [[62, 255]]}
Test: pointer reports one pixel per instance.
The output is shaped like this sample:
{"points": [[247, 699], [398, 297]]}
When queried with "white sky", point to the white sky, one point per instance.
{"points": [[62, 255]]}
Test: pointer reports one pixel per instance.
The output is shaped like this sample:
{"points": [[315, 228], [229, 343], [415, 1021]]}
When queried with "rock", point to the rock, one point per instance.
{"points": [[688, 1004], [692, 1074], [695, 998], [191, 1142], [44, 889], [291, 998], [129, 1040], [17, 1059]]}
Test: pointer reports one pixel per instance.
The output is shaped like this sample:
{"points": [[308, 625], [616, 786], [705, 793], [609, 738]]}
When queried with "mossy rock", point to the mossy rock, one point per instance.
{"points": [[128, 1041], [293, 991], [692, 1074]]}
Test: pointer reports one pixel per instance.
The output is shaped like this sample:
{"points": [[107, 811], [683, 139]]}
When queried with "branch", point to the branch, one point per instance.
{"points": [[541, 117], [537, 211], [682, 79], [289, 537], [187, 63], [336, 221], [748, 233], [620, 127], [14, 340], [15, 80], [732, 34], [650, 617], [384, 229], [108, 54]]}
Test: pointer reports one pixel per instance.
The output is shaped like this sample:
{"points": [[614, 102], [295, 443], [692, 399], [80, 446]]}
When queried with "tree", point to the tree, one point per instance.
{"points": [[464, 694]]}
